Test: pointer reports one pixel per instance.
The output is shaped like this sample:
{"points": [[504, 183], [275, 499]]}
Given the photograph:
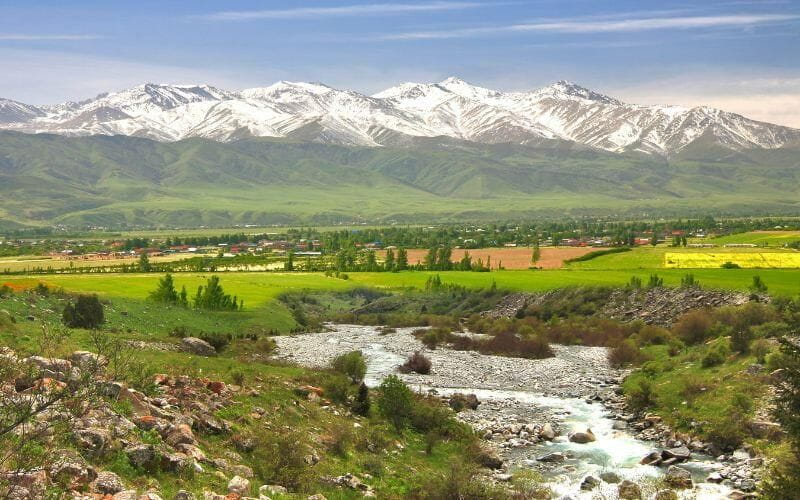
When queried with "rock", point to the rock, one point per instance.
{"points": [[183, 495], [56, 368], [107, 483], [680, 454], [175, 462], [318, 496], [150, 495], [765, 430], [89, 361], [243, 471], [582, 437], [547, 432], [665, 495], [272, 490], [652, 458], [678, 477], [216, 386], [243, 443], [141, 455], [197, 346], [714, 477], [628, 490], [178, 434], [610, 477], [552, 457], [740, 495], [589, 483], [192, 451], [209, 424], [619, 425], [238, 485], [70, 470], [93, 439], [504, 478]]}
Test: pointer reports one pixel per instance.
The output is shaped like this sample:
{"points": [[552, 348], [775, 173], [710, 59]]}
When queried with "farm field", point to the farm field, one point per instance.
{"points": [[768, 238], [509, 257], [16, 264], [757, 260], [647, 257], [259, 289]]}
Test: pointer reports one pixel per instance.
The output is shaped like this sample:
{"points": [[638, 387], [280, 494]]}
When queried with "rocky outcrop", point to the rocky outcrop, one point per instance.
{"points": [[197, 346]]}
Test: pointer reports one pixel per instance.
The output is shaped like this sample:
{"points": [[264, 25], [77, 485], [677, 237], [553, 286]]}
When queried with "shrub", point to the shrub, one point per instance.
{"points": [[625, 353], [279, 458], [417, 363], [651, 334], [361, 404], [642, 396], [730, 265], [87, 312], [760, 348], [740, 340], [715, 355], [237, 377], [758, 285], [219, 340], [351, 364], [337, 388], [265, 346], [693, 326], [395, 402]]}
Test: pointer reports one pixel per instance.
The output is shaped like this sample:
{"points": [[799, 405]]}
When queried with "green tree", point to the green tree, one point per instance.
{"points": [[288, 265], [165, 292], [351, 364], [144, 263], [362, 404], [86, 312], [466, 262], [758, 285], [389, 262], [431, 259], [213, 298], [537, 253], [395, 401], [402, 259], [444, 259]]}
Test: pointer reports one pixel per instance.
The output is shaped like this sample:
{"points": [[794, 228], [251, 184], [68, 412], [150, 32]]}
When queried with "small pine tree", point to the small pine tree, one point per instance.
{"points": [[758, 285], [144, 263], [362, 403], [87, 312], [165, 292], [388, 262], [537, 253], [402, 259], [655, 281]]}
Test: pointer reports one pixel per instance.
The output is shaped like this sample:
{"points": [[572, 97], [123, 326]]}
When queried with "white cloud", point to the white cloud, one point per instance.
{"points": [[340, 11], [25, 37], [603, 26]]}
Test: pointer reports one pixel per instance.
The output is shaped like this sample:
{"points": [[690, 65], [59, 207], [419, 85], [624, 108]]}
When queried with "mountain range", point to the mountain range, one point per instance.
{"points": [[396, 116]]}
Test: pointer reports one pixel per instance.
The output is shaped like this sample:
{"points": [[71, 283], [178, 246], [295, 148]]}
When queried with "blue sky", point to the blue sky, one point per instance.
{"points": [[739, 55]]}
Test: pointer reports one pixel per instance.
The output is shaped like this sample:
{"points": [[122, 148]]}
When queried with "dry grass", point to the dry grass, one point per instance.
{"points": [[511, 258]]}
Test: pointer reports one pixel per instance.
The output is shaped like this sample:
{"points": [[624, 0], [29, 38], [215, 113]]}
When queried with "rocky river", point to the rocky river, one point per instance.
{"points": [[530, 409]]}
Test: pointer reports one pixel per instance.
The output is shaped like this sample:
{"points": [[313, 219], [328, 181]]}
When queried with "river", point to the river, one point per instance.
{"points": [[515, 391]]}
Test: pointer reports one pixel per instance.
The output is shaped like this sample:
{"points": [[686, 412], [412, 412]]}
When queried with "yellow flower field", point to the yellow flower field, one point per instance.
{"points": [[706, 260]]}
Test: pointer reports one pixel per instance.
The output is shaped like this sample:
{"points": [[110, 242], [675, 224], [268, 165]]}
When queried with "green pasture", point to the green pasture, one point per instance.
{"points": [[768, 238]]}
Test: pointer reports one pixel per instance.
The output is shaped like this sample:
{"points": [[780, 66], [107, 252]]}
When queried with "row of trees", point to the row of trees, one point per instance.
{"points": [[211, 297]]}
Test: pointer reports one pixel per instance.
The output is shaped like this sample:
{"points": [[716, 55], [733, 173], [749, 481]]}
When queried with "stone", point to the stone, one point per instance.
{"points": [[183, 495], [175, 462], [216, 386], [238, 485], [680, 453], [243, 442], [126, 495], [178, 434], [70, 470], [714, 477], [552, 457], [318, 496], [765, 430], [93, 439], [88, 361], [489, 458], [582, 437], [619, 425], [610, 477], [665, 495], [678, 477], [547, 432], [243, 471], [209, 424], [107, 483], [460, 401], [197, 346], [589, 483], [55, 368], [740, 495], [628, 490], [141, 455], [272, 490], [652, 458]]}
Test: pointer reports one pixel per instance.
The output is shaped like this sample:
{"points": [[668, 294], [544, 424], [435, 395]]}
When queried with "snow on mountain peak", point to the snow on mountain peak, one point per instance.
{"points": [[451, 108]]}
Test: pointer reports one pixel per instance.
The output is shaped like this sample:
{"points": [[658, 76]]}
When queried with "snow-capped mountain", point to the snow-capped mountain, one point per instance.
{"points": [[451, 108]]}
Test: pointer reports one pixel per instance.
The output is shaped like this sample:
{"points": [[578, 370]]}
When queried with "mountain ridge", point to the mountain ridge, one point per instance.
{"points": [[451, 108]]}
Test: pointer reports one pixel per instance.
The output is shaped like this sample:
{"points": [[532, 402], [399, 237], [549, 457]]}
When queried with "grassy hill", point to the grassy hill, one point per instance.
{"points": [[121, 181]]}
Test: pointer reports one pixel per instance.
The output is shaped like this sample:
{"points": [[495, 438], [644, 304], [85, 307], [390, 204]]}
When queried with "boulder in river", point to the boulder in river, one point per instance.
{"points": [[459, 401], [582, 437], [665, 495], [678, 477], [628, 490], [610, 477], [547, 432], [589, 483], [680, 454], [552, 457], [489, 459]]}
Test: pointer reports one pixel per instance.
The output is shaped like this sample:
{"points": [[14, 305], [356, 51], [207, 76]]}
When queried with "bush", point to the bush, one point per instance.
{"points": [[87, 312], [279, 458], [626, 353], [740, 340], [417, 363], [219, 340], [715, 355], [361, 404], [642, 396], [730, 265], [351, 364], [337, 389], [395, 402], [693, 326]]}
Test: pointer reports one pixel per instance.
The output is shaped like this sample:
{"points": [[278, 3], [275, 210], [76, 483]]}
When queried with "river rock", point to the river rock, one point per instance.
{"points": [[552, 457], [678, 477], [459, 401], [589, 483], [628, 490], [610, 477], [198, 346], [680, 454], [582, 437], [547, 432], [665, 495], [489, 458]]}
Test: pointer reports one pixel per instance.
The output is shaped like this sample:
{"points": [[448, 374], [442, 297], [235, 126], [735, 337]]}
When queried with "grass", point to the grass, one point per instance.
{"points": [[765, 238]]}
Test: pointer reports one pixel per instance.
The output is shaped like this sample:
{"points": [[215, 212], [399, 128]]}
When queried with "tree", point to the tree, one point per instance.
{"points": [[758, 285], [289, 264], [402, 259], [87, 312], [144, 263], [183, 298], [388, 262], [362, 404], [213, 298], [165, 292], [351, 364], [371, 262], [466, 262], [431, 259], [537, 253], [443, 261], [395, 402]]}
